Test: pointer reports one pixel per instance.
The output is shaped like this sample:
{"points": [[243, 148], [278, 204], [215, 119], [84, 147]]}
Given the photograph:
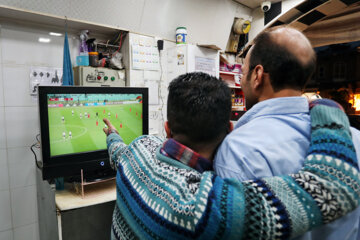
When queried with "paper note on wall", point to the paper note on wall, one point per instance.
{"points": [[153, 91], [206, 65], [145, 57], [44, 76]]}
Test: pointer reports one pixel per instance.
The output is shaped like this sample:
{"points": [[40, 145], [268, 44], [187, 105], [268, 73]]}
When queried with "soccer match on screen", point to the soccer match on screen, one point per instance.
{"points": [[76, 120]]}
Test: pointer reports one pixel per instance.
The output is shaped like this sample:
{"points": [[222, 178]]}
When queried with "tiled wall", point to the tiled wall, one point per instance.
{"points": [[19, 124]]}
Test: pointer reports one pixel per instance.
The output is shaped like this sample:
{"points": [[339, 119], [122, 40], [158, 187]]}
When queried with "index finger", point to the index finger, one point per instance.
{"points": [[107, 122]]}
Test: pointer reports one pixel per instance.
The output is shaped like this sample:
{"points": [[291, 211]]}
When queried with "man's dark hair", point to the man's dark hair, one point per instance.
{"points": [[284, 68], [199, 106]]}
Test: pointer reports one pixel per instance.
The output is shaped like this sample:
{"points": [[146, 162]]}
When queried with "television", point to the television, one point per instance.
{"points": [[71, 125]]}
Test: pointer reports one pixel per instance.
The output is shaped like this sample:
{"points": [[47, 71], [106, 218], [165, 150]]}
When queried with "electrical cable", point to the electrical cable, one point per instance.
{"points": [[120, 42], [159, 93], [36, 145]]}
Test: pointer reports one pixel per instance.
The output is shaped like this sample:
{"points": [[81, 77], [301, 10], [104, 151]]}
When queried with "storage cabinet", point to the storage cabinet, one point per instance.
{"points": [[65, 215], [237, 95]]}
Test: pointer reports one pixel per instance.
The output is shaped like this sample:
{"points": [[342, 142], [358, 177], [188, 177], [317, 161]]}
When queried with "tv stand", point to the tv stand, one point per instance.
{"points": [[66, 215], [91, 175], [81, 188]]}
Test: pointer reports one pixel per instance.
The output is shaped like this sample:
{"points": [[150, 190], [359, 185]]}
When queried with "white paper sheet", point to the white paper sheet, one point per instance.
{"points": [[206, 65], [153, 91], [44, 76]]}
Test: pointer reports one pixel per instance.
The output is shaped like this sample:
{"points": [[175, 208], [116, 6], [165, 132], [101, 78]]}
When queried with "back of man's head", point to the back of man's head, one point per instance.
{"points": [[286, 54], [199, 107]]}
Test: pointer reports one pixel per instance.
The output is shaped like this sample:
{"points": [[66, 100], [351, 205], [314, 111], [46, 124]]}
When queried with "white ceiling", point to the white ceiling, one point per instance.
{"points": [[254, 3]]}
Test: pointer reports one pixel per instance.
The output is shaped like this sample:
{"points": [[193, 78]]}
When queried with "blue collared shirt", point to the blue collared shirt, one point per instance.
{"points": [[270, 139]]}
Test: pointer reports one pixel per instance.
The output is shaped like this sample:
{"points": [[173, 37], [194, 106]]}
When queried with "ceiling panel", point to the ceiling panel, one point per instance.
{"points": [[253, 3]]}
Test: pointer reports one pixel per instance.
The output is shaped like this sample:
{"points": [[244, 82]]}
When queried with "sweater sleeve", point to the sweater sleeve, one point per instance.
{"points": [[159, 201], [116, 147]]}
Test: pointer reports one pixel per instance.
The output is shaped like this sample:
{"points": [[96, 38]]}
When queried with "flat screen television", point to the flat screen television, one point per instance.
{"points": [[71, 125]]}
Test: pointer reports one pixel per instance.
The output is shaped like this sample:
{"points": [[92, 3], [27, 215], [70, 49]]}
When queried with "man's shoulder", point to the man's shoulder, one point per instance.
{"points": [[355, 131], [146, 139], [273, 126], [355, 134], [262, 147]]}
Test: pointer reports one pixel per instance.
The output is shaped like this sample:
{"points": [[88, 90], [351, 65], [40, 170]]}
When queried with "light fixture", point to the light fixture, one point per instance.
{"points": [[44, 40], [55, 34]]}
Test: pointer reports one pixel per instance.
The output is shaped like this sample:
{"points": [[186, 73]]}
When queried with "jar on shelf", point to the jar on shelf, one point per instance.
{"points": [[93, 59], [181, 34]]}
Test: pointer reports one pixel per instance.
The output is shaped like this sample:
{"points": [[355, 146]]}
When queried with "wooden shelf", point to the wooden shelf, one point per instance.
{"points": [[25, 16], [237, 108], [68, 198]]}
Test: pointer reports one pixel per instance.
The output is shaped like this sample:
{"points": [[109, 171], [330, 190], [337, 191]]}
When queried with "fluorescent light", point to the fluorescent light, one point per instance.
{"points": [[55, 34], [44, 40]]}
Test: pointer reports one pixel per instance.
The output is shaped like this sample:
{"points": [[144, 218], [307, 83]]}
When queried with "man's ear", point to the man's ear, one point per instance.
{"points": [[167, 130], [231, 127], [258, 76]]}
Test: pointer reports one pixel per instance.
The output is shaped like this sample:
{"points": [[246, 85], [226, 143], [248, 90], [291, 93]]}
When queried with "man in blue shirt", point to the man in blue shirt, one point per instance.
{"points": [[276, 126]]}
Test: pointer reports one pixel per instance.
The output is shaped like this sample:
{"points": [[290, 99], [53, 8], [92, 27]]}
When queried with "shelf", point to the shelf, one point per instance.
{"points": [[229, 73], [24, 16], [239, 108], [107, 45], [236, 87]]}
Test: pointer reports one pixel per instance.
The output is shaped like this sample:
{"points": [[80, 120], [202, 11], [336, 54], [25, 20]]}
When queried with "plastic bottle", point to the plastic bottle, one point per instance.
{"points": [[83, 58], [181, 34]]}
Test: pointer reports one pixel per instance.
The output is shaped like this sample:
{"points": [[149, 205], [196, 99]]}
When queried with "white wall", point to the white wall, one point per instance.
{"points": [[19, 120], [139, 78], [207, 21], [19, 123], [257, 24]]}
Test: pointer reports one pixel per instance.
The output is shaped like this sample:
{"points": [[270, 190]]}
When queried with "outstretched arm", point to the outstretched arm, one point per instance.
{"points": [[116, 146], [158, 200]]}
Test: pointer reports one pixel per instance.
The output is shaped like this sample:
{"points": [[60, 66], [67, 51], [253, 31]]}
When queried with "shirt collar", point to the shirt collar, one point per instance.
{"points": [[175, 150], [275, 106]]}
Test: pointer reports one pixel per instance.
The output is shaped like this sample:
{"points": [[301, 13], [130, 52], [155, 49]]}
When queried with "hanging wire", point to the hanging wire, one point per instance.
{"points": [[36, 145], [120, 42], [159, 92]]}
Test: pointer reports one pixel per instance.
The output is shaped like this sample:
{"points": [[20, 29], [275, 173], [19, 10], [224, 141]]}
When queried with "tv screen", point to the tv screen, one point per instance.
{"points": [[71, 120]]}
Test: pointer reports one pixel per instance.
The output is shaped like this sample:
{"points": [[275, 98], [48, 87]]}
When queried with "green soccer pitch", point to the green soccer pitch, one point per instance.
{"points": [[87, 132]]}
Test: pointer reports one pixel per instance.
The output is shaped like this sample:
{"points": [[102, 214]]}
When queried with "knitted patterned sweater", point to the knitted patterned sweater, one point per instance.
{"points": [[161, 198]]}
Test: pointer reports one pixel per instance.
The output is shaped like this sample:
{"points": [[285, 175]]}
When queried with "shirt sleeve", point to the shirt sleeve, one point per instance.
{"points": [[116, 147]]}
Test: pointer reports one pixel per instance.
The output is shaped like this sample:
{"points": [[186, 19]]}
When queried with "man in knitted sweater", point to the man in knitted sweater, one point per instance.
{"points": [[165, 191], [277, 123]]}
